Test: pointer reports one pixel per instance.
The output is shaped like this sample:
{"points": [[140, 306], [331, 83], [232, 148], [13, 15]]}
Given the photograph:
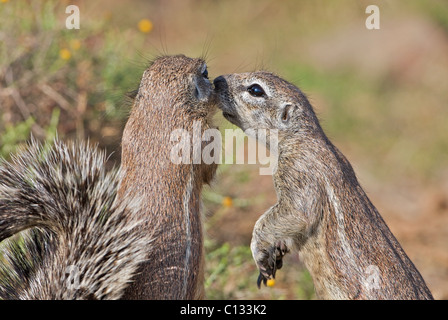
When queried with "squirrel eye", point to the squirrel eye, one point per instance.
{"points": [[205, 73], [256, 90]]}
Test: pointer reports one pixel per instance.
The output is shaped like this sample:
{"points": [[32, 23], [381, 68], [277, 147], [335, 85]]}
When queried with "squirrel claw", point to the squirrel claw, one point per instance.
{"points": [[260, 279], [272, 261]]}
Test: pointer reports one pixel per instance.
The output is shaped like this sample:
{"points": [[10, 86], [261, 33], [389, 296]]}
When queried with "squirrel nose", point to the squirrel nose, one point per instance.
{"points": [[220, 83]]}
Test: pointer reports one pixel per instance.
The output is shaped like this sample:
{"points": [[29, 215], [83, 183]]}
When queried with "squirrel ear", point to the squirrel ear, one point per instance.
{"points": [[201, 92], [287, 112]]}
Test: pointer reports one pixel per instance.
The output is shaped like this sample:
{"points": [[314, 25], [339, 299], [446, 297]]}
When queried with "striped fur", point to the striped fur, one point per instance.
{"points": [[78, 241]]}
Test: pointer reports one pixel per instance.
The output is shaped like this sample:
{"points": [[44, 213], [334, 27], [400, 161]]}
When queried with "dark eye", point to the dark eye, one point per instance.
{"points": [[205, 73], [255, 90]]}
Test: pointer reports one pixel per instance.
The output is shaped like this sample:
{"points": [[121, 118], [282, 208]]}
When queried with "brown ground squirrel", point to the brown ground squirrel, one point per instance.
{"points": [[174, 93], [322, 211], [82, 242]]}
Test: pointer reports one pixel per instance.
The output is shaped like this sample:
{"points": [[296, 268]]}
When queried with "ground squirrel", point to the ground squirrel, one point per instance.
{"points": [[322, 211], [174, 93], [82, 242]]}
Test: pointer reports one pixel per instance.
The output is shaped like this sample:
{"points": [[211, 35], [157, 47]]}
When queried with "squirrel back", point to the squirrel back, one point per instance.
{"points": [[81, 241], [174, 95]]}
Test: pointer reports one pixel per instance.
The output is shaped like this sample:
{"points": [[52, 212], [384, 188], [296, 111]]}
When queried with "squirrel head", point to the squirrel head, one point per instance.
{"points": [[179, 82], [262, 100]]}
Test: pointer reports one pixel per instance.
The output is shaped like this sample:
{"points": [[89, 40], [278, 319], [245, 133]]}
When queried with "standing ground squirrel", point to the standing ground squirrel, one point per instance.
{"points": [[322, 211], [174, 94], [83, 242]]}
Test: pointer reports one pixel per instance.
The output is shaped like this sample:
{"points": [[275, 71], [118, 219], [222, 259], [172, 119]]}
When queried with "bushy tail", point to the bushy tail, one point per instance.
{"points": [[83, 242]]}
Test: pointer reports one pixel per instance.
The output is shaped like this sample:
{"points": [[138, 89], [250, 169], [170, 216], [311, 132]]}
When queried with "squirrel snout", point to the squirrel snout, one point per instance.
{"points": [[220, 83]]}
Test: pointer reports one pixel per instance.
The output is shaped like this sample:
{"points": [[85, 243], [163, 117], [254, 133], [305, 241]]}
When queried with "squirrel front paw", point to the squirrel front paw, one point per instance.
{"points": [[268, 259]]}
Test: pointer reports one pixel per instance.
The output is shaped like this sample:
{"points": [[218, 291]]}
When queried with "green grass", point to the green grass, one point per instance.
{"points": [[83, 73], [231, 274]]}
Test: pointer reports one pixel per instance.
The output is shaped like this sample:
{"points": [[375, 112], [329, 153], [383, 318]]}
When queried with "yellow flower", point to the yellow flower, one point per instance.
{"points": [[4, 1], [75, 44], [65, 54], [227, 202], [270, 282], [145, 25]]}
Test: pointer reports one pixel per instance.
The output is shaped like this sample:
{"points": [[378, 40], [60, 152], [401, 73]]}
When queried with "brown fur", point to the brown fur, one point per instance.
{"points": [[172, 94], [322, 211]]}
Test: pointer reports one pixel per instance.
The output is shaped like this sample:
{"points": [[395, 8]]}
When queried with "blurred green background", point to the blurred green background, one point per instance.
{"points": [[381, 96]]}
